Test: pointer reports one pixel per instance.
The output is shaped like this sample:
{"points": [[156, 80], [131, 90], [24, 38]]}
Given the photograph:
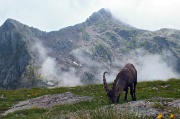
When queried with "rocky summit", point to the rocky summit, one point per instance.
{"points": [[77, 55]]}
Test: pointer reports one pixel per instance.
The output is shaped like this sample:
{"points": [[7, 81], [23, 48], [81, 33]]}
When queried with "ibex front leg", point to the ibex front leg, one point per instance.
{"points": [[125, 97]]}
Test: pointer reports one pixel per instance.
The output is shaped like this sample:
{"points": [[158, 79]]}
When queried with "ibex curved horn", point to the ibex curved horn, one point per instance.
{"points": [[105, 83]]}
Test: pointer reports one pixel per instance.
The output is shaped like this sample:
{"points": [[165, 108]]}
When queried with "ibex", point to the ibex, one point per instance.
{"points": [[127, 77]]}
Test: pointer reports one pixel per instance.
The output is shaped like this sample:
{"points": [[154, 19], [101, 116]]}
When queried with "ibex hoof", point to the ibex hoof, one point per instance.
{"points": [[134, 99]]}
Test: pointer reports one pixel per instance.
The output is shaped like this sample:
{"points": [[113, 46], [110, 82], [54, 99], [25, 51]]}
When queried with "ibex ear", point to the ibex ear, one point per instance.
{"points": [[107, 92]]}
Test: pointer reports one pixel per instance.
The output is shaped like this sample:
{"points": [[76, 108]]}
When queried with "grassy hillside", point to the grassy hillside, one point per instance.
{"points": [[145, 90]]}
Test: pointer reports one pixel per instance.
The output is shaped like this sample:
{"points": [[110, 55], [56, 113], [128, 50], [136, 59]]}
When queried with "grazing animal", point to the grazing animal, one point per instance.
{"points": [[127, 77]]}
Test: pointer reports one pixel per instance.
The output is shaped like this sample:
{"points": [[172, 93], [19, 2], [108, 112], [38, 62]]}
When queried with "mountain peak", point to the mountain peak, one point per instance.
{"points": [[10, 23], [99, 15], [104, 12], [10, 20]]}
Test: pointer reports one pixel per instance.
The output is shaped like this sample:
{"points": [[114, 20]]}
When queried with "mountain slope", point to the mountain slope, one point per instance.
{"points": [[78, 54], [13, 57]]}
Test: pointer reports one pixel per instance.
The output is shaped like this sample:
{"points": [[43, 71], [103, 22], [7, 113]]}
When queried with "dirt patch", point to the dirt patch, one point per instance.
{"points": [[48, 101]]}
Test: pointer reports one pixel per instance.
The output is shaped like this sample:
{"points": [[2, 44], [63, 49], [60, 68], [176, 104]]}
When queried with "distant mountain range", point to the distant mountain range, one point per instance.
{"points": [[78, 54]]}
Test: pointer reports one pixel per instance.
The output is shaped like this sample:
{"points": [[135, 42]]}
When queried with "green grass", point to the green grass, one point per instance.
{"points": [[145, 90]]}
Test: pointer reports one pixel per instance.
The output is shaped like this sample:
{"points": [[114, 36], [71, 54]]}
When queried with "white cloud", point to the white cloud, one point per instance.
{"points": [[152, 66], [47, 15], [147, 14], [149, 66], [49, 70], [55, 14]]}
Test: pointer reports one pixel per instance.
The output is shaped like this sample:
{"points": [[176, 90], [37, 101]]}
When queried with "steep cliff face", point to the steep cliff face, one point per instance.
{"points": [[14, 56], [83, 50], [15, 52]]}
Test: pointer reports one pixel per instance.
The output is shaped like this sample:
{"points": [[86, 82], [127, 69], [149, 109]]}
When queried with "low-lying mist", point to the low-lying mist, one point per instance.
{"points": [[153, 66], [149, 66]]}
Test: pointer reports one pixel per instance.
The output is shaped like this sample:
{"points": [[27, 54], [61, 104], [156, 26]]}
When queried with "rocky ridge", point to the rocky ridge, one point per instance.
{"points": [[83, 50], [48, 101]]}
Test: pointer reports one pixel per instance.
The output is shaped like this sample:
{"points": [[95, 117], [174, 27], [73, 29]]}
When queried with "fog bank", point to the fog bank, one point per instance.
{"points": [[149, 67]]}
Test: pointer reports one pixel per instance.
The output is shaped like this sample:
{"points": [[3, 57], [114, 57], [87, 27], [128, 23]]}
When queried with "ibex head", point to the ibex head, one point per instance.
{"points": [[112, 94], [113, 98]]}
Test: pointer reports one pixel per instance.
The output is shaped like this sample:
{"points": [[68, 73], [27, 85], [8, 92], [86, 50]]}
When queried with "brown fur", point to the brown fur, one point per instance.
{"points": [[127, 77]]}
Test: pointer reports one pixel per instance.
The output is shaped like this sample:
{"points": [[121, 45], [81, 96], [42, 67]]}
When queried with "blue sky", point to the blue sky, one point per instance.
{"points": [[51, 15]]}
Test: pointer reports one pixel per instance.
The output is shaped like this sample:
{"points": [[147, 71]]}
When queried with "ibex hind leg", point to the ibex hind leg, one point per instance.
{"points": [[134, 91]]}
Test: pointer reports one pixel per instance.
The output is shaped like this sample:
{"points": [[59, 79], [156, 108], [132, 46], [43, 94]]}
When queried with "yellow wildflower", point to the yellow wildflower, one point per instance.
{"points": [[159, 116], [172, 116], [33, 107]]}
